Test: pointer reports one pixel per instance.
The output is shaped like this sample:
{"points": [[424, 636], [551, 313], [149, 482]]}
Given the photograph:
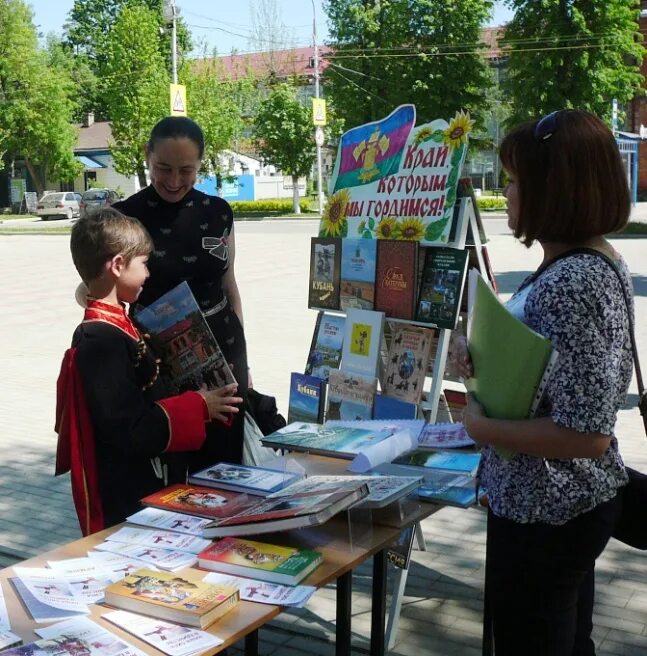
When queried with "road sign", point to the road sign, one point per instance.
{"points": [[319, 136], [178, 100], [318, 111]]}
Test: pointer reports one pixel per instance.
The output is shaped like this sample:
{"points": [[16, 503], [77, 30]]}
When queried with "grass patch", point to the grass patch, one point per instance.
{"points": [[635, 228], [12, 217]]}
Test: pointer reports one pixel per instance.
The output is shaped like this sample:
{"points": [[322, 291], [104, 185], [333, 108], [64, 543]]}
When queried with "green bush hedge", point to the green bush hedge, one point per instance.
{"points": [[489, 203], [269, 205]]}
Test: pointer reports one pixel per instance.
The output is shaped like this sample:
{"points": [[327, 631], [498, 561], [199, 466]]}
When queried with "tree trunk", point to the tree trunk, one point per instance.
{"points": [[219, 184], [39, 183], [141, 176], [296, 207]]}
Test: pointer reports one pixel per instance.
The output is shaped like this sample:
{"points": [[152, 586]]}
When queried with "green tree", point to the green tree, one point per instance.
{"points": [[571, 54], [86, 33], [135, 87], [35, 106], [283, 133], [389, 52], [219, 103]]}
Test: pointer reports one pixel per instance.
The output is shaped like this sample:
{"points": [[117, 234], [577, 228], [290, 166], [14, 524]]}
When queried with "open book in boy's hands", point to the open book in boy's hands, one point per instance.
{"points": [[512, 363]]}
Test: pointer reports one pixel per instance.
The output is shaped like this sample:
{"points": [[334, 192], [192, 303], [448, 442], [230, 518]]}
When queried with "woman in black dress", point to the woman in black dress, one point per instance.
{"points": [[193, 234]]}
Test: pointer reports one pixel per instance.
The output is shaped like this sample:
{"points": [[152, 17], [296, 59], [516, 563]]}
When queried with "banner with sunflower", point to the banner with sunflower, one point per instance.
{"points": [[395, 181]]}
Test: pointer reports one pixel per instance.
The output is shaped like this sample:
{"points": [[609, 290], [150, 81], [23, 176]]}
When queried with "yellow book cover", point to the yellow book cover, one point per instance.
{"points": [[175, 596]]}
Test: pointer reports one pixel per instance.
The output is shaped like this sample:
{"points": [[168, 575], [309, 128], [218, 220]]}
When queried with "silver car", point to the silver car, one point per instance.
{"points": [[58, 205], [96, 199]]}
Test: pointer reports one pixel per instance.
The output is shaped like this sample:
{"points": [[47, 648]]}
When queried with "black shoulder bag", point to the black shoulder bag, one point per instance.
{"points": [[632, 524]]}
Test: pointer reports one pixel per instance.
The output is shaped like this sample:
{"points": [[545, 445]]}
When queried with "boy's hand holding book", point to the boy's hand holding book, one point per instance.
{"points": [[221, 404]]}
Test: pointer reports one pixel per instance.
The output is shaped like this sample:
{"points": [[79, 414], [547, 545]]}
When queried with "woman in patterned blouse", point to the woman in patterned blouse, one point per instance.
{"points": [[553, 505]]}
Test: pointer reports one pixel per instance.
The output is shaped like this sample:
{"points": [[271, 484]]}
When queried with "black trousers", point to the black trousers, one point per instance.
{"points": [[540, 582]]}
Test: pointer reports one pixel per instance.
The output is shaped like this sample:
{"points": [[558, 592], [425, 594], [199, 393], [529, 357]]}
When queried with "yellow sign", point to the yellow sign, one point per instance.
{"points": [[318, 111], [178, 100]]}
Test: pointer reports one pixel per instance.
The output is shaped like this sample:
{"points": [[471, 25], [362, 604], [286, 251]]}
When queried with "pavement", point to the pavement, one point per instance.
{"points": [[442, 609]]}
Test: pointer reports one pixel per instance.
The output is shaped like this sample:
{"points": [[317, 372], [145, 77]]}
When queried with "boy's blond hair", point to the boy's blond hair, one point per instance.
{"points": [[104, 234]]}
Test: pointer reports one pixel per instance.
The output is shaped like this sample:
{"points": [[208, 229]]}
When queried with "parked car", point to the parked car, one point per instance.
{"points": [[94, 199], [58, 205]]}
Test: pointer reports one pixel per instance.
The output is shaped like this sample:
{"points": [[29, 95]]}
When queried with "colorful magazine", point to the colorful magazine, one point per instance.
{"points": [[324, 440], [182, 338]]}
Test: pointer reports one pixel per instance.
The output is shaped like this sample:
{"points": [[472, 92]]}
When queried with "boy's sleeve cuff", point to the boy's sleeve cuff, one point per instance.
{"points": [[185, 414]]}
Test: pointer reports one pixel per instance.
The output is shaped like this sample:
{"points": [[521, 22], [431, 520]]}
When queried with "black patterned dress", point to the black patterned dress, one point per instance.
{"points": [[191, 243]]}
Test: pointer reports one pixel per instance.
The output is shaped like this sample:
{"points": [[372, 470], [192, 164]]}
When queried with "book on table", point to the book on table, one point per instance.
{"points": [[350, 396], [306, 401], [325, 273], [189, 352], [180, 597], [444, 435], [249, 479], [335, 441], [406, 366], [166, 519], [284, 511], [441, 289], [258, 560], [454, 462], [326, 347], [386, 407], [357, 273], [512, 363]]}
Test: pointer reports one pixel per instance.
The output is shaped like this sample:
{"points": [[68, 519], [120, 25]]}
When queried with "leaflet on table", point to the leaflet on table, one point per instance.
{"points": [[4, 616], [8, 639], [383, 451], [444, 436], [159, 539], [78, 637], [41, 611], [414, 426], [162, 558], [265, 592], [169, 520], [120, 566], [50, 588], [86, 576], [172, 639]]}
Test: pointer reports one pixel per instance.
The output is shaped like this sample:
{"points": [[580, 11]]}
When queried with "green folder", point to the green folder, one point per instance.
{"points": [[511, 362]]}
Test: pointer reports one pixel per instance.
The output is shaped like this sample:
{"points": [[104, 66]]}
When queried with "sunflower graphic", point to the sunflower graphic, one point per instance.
{"points": [[387, 228], [422, 135], [333, 223], [459, 127], [412, 229]]}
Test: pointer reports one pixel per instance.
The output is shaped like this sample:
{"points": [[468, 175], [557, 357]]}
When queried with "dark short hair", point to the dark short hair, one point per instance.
{"points": [[177, 127], [100, 236], [570, 179]]}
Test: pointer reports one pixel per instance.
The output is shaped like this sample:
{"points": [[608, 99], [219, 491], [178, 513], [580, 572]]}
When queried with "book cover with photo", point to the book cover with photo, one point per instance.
{"points": [[350, 396], [306, 398], [454, 462], [248, 479], [406, 363], [181, 337], [396, 278], [363, 333], [357, 273], [325, 273], [441, 289], [326, 347], [336, 441]]}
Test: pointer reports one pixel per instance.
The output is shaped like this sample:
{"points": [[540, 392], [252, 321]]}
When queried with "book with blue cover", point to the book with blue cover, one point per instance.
{"points": [[306, 398], [326, 348], [358, 258], [386, 407], [456, 462], [336, 441]]}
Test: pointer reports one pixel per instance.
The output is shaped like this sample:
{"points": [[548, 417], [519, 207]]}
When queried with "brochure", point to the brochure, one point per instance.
{"points": [[159, 539], [169, 520]]}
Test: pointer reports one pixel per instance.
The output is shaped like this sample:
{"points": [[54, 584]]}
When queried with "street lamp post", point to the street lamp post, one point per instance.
{"points": [[316, 62], [171, 13]]}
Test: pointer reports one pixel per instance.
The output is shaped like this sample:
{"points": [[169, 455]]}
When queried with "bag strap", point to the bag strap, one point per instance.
{"points": [[642, 396]]}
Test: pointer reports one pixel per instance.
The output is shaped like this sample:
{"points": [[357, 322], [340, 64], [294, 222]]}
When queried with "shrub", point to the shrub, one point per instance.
{"points": [[268, 206], [490, 203]]}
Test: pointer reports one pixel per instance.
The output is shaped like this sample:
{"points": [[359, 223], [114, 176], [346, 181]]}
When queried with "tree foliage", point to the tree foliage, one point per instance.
{"points": [[571, 54], [86, 34], [35, 106], [219, 103], [135, 86], [284, 135], [389, 52]]}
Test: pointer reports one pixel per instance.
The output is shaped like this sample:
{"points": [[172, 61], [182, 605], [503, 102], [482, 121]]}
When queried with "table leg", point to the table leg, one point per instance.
{"points": [[344, 602], [251, 643], [378, 610]]}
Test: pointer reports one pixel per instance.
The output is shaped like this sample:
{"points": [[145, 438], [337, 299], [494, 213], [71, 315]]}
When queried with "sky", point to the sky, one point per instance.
{"points": [[226, 24]]}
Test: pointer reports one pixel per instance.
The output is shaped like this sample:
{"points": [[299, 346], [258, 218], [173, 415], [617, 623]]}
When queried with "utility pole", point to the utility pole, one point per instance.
{"points": [[174, 40], [317, 140]]}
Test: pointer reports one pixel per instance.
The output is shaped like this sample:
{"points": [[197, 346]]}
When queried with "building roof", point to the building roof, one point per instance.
{"points": [[94, 137]]}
